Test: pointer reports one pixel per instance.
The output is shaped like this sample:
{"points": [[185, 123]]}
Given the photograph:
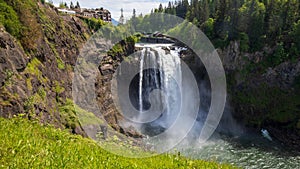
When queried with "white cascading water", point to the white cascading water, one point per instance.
{"points": [[141, 80], [169, 82]]}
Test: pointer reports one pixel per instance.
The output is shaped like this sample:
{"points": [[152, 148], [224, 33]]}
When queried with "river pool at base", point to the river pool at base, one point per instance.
{"points": [[253, 153]]}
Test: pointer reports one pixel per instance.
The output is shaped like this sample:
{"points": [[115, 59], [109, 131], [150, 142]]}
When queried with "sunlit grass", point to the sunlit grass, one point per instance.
{"points": [[26, 144]]}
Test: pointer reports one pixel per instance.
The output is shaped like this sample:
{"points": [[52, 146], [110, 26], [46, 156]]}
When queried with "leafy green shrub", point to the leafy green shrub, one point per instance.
{"points": [[244, 42], [208, 27], [67, 112], [295, 36], [278, 56], [133, 39], [220, 43], [60, 63], [119, 48], [93, 23], [31, 30], [9, 19], [42, 93], [296, 33]]}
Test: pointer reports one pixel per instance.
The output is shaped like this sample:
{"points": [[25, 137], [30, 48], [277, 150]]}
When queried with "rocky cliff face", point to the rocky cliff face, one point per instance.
{"points": [[36, 78], [37, 81], [264, 96], [107, 68]]}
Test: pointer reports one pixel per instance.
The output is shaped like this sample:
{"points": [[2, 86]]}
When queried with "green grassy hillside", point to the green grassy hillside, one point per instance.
{"points": [[27, 144]]}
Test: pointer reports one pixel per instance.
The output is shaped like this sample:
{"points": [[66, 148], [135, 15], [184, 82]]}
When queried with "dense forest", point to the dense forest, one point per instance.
{"points": [[255, 23]]}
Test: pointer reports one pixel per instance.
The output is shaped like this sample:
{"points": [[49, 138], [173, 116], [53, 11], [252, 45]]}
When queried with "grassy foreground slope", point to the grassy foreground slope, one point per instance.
{"points": [[26, 144]]}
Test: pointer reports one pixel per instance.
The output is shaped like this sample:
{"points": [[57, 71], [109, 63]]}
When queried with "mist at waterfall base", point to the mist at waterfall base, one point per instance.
{"points": [[158, 87]]}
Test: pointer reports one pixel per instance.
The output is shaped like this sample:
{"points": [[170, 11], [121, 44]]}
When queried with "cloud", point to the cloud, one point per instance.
{"points": [[141, 6]]}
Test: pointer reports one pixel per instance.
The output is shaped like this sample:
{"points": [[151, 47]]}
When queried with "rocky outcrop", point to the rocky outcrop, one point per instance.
{"points": [[283, 76], [12, 60], [231, 57], [12, 55], [107, 68]]}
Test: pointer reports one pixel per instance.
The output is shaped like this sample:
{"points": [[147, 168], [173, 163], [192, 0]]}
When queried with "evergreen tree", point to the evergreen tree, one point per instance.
{"points": [[253, 22], [253, 13], [219, 26], [234, 18], [212, 8], [72, 5], [77, 5], [160, 9], [122, 19], [269, 4], [290, 14], [204, 8], [134, 13]]}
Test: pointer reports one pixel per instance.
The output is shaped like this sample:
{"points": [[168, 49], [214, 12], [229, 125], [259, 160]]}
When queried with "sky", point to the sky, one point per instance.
{"points": [[114, 6]]}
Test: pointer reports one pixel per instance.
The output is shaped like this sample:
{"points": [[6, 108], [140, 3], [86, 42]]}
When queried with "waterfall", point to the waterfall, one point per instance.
{"points": [[141, 80], [171, 84], [165, 75]]}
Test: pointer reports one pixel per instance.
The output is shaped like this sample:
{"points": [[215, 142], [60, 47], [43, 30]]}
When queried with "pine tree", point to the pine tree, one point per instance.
{"points": [[77, 5], [204, 11], [234, 19], [253, 22], [160, 9], [72, 5], [219, 26], [134, 13], [121, 20], [289, 15], [254, 14]]}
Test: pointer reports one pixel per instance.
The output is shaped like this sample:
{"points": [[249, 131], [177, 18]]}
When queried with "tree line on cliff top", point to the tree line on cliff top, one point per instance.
{"points": [[254, 23]]}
